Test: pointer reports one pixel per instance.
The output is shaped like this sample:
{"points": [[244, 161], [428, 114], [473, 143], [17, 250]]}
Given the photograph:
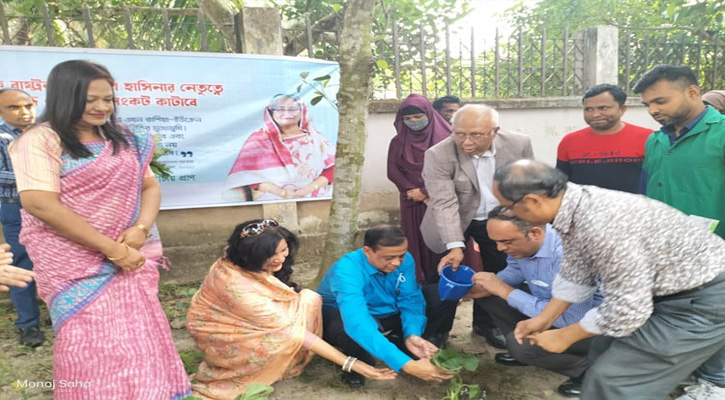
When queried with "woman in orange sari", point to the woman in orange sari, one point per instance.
{"points": [[255, 325]]}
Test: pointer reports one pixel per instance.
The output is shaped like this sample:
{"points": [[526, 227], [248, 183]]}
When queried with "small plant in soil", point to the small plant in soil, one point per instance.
{"points": [[454, 361]]}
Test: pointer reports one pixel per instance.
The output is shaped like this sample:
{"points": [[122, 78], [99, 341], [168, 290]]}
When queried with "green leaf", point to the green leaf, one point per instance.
{"points": [[316, 100], [322, 78], [299, 88], [304, 74], [454, 361], [256, 391], [382, 64], [160, 169], [473, 391]]}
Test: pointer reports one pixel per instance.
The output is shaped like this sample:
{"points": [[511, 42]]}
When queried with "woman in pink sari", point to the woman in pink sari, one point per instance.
{"points": [[255, 325], [287, 159], [90, 202]]}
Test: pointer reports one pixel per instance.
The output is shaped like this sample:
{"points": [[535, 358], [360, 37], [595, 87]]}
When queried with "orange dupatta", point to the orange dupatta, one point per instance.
{"points": [[251, 328]]}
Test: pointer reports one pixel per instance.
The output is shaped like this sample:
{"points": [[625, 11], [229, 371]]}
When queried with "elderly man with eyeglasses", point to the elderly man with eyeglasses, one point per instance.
{"points": [[458, 173], [661, 275]]}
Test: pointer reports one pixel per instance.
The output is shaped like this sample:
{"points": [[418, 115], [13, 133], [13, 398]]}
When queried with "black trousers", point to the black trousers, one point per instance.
{"points": [[572, 363], [440, 314], [492, 259]]}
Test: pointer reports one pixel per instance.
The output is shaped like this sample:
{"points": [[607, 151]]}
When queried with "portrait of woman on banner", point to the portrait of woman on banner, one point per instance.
{"points": [[285, 159]]}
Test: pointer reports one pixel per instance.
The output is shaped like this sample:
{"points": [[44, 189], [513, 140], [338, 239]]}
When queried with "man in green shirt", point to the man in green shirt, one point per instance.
{"points": [[684, 166]]}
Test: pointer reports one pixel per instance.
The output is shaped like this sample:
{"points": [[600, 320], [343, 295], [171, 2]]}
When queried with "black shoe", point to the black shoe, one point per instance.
{"points": [[570, 388], [438, 339], [31, 336], [493, 336], [353, 380], [507, 359]]}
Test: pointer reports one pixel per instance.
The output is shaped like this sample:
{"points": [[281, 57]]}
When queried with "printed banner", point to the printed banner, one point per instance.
{"points": [[241, 129]]}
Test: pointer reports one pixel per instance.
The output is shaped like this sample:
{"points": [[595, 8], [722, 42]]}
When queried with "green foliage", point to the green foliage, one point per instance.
{"points": [[651, 32], [409, 17], [454, 361], [161, 170], [256, 391], [318, 85], [69, 29], [191, 360], [556, 15]]}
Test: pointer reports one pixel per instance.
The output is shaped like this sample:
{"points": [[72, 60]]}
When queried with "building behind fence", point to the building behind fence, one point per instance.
{"points": [[432, 61]]}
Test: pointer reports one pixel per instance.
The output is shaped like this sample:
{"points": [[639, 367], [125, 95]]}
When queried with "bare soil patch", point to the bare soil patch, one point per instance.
{"points": [[319, 381]]}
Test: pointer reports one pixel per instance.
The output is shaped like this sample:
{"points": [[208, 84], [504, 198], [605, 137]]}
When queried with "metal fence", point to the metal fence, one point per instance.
{"points": [[642, 48], [429, 60], [514, 65]]}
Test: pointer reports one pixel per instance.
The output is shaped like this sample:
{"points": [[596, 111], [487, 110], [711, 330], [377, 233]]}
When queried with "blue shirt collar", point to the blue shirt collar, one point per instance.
{"points": [[369, 268], [669, 130], [547, 246], [5, 127]]}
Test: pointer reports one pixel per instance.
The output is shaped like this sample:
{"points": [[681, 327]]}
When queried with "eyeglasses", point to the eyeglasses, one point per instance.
{"points": [[509, 207], [474, 136], [257, 227], [286, 110]]}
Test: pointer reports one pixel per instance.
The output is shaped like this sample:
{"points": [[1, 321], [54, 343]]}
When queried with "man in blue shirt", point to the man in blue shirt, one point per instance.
{"points": [[17, 110], [373, 308], [534, 253]]}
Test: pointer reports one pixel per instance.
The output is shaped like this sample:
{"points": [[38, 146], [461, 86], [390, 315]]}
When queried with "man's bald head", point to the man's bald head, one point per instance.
{"points": [[523, 177], [479, 110]]}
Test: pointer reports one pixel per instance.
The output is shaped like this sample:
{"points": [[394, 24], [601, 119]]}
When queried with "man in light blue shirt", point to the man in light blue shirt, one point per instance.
{"points": [[534, 253], [373, 308]]}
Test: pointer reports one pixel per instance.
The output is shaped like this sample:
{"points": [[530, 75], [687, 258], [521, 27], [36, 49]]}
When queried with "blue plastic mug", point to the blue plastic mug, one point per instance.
{"points": [[453, 285]]}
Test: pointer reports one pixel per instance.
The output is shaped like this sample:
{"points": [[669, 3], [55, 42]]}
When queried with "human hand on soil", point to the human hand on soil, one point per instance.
{"points": [[381, 374], [423, 369], [420, 347]]}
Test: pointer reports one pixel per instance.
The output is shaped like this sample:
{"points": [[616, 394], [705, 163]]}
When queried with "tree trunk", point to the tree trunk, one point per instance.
{"points": [[221, 13], [356, 66]]}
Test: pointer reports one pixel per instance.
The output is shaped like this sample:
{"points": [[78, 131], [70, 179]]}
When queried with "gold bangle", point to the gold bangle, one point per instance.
{"points": [[125, 254], [144, 229]]}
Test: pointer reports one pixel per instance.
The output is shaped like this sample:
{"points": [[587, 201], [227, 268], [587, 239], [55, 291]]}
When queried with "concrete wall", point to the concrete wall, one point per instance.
{"points": [[193, 239]]}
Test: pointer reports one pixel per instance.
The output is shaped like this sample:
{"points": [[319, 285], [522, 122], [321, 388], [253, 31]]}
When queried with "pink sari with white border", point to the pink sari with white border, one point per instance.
{"points": [[113, 340]]}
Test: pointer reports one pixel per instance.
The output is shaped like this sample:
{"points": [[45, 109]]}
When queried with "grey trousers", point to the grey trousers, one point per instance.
{"points": [[572, 363], [684, 331]]}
